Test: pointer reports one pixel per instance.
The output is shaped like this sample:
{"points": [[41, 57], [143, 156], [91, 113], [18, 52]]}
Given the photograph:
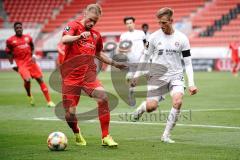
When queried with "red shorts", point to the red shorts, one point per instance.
{"points": [[71, 93], [30, 70]]}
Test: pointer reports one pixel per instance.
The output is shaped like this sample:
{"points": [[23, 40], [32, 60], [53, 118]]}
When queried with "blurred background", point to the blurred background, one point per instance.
{"points": [[211, 25]]}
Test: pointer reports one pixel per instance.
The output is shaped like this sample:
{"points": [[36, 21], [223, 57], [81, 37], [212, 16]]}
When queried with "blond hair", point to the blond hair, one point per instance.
{"points": [[95, 8], [165, 11]]}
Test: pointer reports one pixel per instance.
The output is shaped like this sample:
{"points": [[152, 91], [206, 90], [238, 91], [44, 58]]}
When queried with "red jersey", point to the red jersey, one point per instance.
{"points": [[87, 48], [21, 49], [79, 62], [234, 48]]}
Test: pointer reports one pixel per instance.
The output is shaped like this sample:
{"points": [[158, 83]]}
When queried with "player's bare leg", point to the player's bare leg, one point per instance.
{"points": [[27, 86], [104, 115], [177, 99], [72, 121], [46, 94]]}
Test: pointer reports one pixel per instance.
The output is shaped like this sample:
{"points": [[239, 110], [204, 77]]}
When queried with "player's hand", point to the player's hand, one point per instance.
{"points": [[134, 82], [120, 65], [193, 90], [85, 35]]}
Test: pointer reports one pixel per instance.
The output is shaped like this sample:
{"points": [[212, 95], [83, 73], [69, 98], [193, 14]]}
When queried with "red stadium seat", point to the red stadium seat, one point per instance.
{"points": [[30, 10]]}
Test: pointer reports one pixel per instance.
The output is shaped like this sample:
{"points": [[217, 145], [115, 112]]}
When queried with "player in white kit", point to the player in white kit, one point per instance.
{"points": [[137, 39], [167, 46]]}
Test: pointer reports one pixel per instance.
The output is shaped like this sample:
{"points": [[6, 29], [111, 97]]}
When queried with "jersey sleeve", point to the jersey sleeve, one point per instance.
{"points": [[69, 29], [185, 43], [99, 45], [8, 48]]}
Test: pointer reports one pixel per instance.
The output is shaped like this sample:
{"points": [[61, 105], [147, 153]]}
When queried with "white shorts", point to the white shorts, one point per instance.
{"points": [[158, 87]]}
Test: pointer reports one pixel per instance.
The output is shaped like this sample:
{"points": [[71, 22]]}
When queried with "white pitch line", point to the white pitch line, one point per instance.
{"points": [[183, 125], [145, 123], [187, 110]]}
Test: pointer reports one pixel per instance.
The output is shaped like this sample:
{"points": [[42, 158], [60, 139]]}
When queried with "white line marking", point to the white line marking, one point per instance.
{"points": [[187, 110], [144, 123]]}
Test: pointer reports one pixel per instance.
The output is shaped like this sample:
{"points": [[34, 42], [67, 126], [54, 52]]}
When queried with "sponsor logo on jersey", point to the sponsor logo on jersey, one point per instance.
{"points": [[177, 44], [159, 44], [160, 52], [26, 39]]}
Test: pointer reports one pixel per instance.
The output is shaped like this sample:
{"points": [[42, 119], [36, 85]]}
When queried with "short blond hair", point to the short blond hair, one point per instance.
{"points": [[95, 8], [165, 11]]}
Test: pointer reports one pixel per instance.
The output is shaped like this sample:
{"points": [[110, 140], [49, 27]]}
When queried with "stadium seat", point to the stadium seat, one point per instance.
{"points": [[213, 15], [68, 11], [28, 11], [114, 17]]}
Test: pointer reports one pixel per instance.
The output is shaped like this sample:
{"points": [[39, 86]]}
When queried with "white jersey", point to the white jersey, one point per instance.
{"points": [[166, 50], [136, 37]]}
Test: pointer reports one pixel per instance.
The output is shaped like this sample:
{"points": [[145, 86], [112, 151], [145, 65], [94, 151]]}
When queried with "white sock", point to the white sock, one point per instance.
{"points": [[142, 108], [171, 121]]}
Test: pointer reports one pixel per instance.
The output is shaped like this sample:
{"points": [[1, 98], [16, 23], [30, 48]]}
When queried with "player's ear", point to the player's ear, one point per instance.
{"points": [[84, 13]]}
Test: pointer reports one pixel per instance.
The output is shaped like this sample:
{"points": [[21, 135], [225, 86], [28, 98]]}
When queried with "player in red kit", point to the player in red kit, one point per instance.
{"points": [[61, 53], [83, 44], [234, 57], [19, 50]]}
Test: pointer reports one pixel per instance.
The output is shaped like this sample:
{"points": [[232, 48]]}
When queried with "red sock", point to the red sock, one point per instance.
{"points": [[104, 117], [27, 86], [72, 122], [45, 91]]}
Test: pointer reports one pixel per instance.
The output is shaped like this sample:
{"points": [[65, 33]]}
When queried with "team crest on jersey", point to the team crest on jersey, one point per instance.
{"points": [[159, 44], [177, 44], [14, 41], [67, 28], [160, 51], [26, 39]]}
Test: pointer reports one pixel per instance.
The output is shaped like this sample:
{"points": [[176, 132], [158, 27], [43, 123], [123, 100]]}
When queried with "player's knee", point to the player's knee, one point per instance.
{"points": [[71, 111], [105, 98], [177, 103], [151, 106], [100, 95]]}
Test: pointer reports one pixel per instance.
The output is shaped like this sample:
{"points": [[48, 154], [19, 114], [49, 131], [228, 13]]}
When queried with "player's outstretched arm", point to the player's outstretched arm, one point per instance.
{"points": [[141, 67], [105, 59]]}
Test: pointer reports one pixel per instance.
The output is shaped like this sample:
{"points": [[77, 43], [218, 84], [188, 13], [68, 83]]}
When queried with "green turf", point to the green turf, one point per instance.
{"points": [[23, 138]]}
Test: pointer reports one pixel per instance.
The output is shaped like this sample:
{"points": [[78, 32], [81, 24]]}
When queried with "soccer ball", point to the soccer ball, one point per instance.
{"points": [[57, 141]]}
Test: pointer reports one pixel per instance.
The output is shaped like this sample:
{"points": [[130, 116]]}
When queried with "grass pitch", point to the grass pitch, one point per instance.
{"points": [[208, 129]]}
